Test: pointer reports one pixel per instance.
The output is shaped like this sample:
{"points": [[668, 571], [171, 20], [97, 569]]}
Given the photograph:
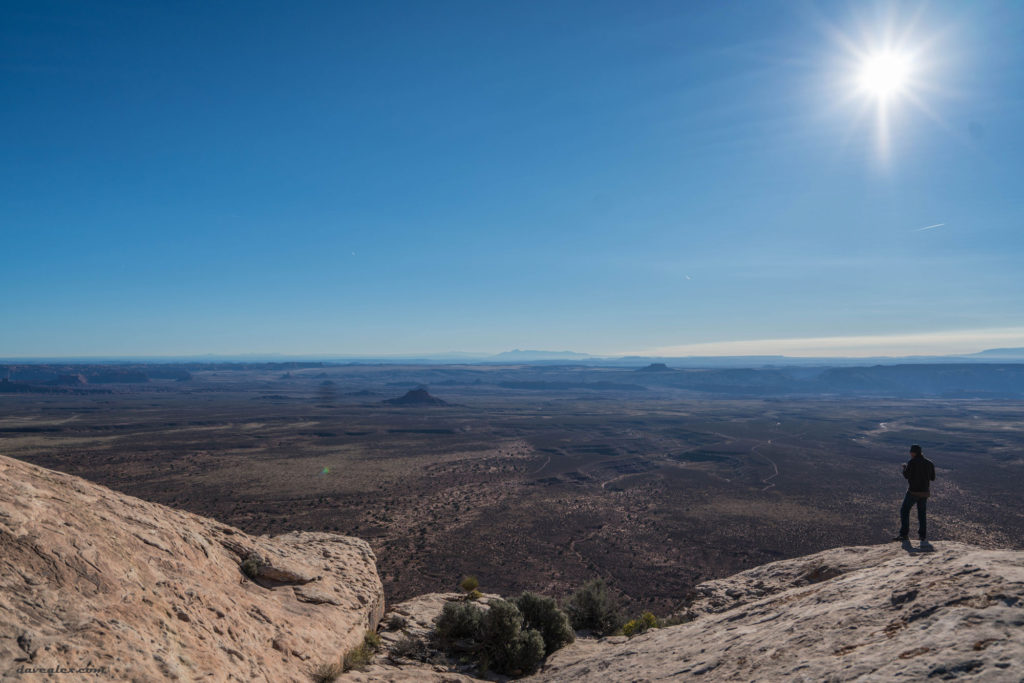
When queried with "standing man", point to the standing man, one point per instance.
{"points": [[919, 473]]}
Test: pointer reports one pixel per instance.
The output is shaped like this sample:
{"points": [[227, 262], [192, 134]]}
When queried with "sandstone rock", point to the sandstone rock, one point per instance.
{"points": [[875, 613], [94, 578]]}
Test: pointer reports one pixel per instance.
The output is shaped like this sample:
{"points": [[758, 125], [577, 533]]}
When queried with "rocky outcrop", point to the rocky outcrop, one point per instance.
{"points": [[94, 578], [874, 613], [416, 397], [90, 578]]}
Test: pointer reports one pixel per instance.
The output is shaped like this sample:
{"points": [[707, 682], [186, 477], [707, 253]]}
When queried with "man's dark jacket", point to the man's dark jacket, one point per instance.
{"points": [[919, 472]]}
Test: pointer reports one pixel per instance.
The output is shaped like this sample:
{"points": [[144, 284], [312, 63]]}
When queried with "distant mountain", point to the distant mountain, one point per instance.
{"points": [[1005, 354], [416, 397], [519, 355]]}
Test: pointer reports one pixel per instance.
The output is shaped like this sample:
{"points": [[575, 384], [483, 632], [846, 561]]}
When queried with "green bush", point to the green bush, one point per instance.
{"points": [[641, 624], [542, 614], [502, 638], [593, 608], [372, 640], [251, 565], [408, 647], [358, 657], [469, 584], [396, 622], [458, 620], [509, 648]]}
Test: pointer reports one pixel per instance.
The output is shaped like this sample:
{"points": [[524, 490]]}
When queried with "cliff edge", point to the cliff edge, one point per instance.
{"points": [[94, 579], [872, 613]]}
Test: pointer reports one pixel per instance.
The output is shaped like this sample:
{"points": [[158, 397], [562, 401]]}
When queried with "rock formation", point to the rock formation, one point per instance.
{"points": [[655, 367], [416, 397], [876, 613], [94, 578]]}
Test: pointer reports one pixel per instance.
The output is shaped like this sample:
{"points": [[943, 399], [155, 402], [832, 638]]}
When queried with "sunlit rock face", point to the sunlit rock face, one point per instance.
{"points": [[861, 613], [91, 578]]}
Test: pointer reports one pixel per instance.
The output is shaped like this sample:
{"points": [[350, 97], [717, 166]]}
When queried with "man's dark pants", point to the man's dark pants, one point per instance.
{"points": [[922, 507]]}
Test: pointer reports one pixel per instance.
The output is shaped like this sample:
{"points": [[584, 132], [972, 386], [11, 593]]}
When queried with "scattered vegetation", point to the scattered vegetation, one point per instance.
{"points": [[470, 584], [594, 608], [396, 622], [372, 640], [358, 657], [328, 672], [641, 624], [408, 647], [510, 637]]}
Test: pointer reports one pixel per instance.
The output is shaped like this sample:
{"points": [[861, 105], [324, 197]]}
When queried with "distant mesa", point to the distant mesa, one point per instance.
{"points": [[1007, 354], [655, 367], [416, 397]]}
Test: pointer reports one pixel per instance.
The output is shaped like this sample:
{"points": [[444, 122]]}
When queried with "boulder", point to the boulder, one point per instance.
{"points": [[93, 578]]}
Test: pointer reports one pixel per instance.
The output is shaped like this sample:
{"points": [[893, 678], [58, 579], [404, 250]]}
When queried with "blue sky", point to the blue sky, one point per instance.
{"points": [[608, 177]]}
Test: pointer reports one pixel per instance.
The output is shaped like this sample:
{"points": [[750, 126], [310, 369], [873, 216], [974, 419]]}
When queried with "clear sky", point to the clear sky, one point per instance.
{"points": [[413, 177]]}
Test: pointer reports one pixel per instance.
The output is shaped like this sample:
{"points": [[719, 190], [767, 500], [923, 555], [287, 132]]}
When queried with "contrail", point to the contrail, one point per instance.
{"points": [[929, 227]]}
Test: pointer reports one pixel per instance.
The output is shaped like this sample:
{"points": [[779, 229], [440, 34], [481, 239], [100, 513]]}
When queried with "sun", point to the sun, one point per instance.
{"points": [[884, 75]]}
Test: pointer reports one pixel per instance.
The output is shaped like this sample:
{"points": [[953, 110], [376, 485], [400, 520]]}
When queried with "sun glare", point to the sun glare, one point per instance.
{"points": [[884, 75], [886, 72]]}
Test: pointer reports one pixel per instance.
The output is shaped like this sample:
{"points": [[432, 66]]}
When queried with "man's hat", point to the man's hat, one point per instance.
{"points": [[915, 449]]}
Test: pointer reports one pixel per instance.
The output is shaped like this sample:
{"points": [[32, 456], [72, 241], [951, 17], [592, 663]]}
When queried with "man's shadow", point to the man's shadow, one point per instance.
{"points": [[925, 547]]}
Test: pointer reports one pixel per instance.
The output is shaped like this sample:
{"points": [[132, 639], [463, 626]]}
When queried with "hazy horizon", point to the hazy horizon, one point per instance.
{"points": [[824, 348], [407, 179]]}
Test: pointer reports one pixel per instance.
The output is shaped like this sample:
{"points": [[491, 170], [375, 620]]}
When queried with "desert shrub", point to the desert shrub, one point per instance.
{"points": [[641, 624], [396, 622], [251, 565], [327, 672], [507, 646], [359, 656], [474, 595], [372, 640], [594, 608], [408, 647], [469, 584], [458, 620], [497, 638], [542, 614]]}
